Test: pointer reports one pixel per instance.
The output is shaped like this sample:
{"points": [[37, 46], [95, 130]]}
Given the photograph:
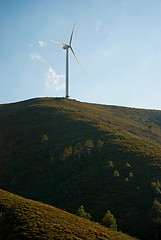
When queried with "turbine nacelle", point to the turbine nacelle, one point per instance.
{"points": [[66, 46]]}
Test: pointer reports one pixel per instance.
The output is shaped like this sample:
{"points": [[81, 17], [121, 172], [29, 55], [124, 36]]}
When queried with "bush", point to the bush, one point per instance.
{"points": [[156, 211], [128, 165], [156, 218], [88, 147], [110, 164], [82, 213], [116, 174], [156, 186], [99, 144], [67, 152], [131, 174], [44, 138], [126, 179], [158, 191], [89, 144], [109, 221], [78, 148]]}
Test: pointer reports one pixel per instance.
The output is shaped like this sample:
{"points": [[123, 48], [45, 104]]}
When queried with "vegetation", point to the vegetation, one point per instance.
{"points": [[128, 165], [111, 164], [156, 216], [82, 213], [109, 221], [25, 219], [44, 138], [116, 173], [64, 153]]}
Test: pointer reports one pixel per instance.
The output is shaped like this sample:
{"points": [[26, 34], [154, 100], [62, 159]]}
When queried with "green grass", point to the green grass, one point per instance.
{"points": [[37, 169], [25, 219]]}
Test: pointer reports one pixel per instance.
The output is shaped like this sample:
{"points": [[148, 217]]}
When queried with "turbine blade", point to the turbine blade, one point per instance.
{"points": [[76, 58], [64, 44], [72, 34]]}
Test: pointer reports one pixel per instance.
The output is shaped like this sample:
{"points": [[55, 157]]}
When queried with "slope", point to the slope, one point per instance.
{"points": [[21, 218], [67, 153]]}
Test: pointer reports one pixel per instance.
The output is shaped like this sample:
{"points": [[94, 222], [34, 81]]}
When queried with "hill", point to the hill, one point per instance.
{"points": [[67, 153], [25, 219]]}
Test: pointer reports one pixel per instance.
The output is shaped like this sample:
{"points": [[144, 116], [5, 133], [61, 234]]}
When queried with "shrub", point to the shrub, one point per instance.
{"points": [[156, 218], [82, 213], [44, 138], [156, 186], [131, 174], [78, 148], [111, 164], [109, 221], [156, 211], [89, 144], [99, 144], [153, 184], [126, 179], [158, 191], [116, 173], [128, 165], [67, 152]]}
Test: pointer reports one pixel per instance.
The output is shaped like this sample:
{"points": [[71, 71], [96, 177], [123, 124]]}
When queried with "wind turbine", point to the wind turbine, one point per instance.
{"points": [[67, 47]]}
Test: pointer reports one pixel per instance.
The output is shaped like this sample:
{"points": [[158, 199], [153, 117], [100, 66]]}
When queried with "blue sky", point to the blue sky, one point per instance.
{"points": [[118, 43]]}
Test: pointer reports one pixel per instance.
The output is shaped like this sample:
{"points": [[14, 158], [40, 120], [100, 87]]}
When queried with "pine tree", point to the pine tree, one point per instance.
{"points": [[156, 217], [109, 221], [88, 147], [67, 152], [82, 213], [116, 174]]}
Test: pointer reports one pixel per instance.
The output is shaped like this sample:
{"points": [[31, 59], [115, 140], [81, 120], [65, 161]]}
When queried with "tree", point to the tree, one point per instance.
{"points": [[78, 149], [157, 187], [126, 179], [116, 173], [67, 152], [109, 221], [99, 147], [156, 218], [99, 144], [88, 146], [131, 174], [44, 138], [82, 213], [128, 165], [110, 164]]}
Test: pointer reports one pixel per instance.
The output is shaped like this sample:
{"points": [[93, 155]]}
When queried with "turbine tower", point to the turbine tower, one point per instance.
{"points": [[67, 47]]}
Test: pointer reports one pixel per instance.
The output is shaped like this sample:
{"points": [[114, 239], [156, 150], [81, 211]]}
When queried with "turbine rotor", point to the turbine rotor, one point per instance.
{"points": [[66, 47]]}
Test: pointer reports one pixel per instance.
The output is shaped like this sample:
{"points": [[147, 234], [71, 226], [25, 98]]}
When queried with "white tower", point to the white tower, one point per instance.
{"points": [[67, 47]]}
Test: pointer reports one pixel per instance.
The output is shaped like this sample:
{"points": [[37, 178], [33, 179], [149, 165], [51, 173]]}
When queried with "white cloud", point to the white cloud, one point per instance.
{"points": [[55, 81], [36, 56], [98, 25], [42, 44]]}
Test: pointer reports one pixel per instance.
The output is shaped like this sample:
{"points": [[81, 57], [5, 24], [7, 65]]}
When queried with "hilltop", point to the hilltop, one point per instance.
{"points": [[27, 219], [68, 153]]}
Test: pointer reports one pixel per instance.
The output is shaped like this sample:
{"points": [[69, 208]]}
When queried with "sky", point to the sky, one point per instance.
{"points": [[118, 43]]}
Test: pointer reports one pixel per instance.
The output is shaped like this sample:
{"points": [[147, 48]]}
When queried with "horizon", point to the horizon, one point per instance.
{"points": [[118, 46], [24, 100]]}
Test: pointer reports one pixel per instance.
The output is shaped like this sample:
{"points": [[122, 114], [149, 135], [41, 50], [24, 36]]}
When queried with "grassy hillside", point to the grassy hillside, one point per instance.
{"points": [[67, 153], [25, 219]]}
